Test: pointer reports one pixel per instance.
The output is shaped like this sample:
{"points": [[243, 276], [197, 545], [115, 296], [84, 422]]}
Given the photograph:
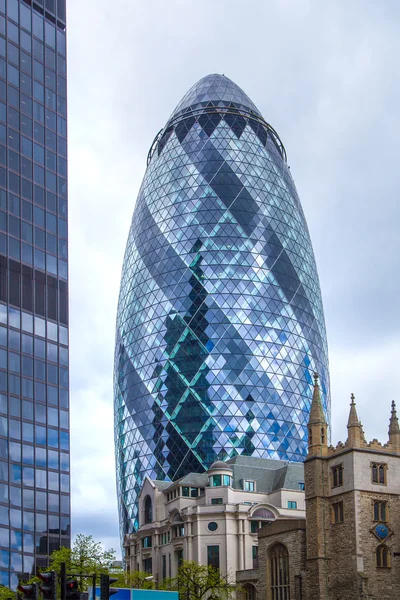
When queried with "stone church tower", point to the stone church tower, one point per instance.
{"points": [[352, 511]]}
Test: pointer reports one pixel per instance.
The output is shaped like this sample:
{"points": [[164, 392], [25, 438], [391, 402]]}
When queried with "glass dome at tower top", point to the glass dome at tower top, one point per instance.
{"points": [[214, 88]]}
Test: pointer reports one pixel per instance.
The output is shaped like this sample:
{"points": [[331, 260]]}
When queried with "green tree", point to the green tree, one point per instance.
{"points": [[198, 582], [6, 593], [134, 579], [86, 556]]}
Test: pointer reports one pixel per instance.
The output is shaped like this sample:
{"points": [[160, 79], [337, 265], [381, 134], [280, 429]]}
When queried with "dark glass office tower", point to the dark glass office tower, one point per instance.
{"points": [[34, 407]]}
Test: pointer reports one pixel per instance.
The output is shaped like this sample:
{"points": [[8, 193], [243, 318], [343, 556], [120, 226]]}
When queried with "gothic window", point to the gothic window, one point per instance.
{"points": [[383, 557], [148, 510], [322, 435], [249, 592], [337, 512], [279, 572], [380, 511], [337, 475], [378, 473]]}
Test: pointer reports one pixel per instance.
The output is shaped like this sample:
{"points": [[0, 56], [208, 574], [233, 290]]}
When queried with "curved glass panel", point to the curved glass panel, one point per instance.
{"points": [[220, 322]]}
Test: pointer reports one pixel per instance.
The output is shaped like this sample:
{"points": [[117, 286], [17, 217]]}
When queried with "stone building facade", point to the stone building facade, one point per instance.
{"points": [[348, 546], [213, 517]]}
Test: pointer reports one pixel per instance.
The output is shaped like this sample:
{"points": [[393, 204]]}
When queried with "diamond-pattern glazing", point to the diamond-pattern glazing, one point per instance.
{"points": [[220, 322]]}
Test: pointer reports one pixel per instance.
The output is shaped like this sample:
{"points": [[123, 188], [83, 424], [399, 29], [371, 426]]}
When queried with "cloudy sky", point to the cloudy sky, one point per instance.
{"points": [[325, 75]]}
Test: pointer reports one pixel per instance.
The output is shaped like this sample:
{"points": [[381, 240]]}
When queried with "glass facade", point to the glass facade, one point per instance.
{"points": [[34, 377], [220, 321]]}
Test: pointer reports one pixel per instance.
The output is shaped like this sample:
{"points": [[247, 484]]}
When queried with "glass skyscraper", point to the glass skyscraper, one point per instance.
{"points": [[220, 322], [34, 405]]}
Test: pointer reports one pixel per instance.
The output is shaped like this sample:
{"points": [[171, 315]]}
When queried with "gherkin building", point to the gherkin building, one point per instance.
{"points": [[220, 323]]}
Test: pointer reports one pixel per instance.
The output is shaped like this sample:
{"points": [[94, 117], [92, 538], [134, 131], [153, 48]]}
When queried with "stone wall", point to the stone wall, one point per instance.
{"points": [[290, 533], [341, 559], [382, 584]]}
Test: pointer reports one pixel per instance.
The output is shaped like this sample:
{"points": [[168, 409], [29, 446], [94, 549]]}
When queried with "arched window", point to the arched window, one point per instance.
{"points": [[383, 557], [263, 513], [148, 510], [249, 592], [279, 572]]}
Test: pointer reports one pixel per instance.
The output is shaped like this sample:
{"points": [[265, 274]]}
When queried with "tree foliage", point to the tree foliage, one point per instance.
{"points": [[198, 582], [86, 556], [6, 593], [134, 579]]}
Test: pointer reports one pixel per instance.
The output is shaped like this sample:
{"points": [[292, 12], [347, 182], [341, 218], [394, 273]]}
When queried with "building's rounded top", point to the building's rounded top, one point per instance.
{"points": [[220, 465], [215, 88]]}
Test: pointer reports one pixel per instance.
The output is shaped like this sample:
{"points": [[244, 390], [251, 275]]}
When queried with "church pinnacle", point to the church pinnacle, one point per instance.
{"points": [[394, 429], [317, 425], [355, 433], [316, 412]]}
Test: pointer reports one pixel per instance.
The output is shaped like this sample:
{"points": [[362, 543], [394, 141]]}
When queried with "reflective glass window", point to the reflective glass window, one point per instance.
{"points": [[15, 496], [40, 457], [28, 499], [53, 459]]}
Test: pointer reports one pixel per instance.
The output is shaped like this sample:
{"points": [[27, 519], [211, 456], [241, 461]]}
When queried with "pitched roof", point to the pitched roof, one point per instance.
{"points": [[269, 474], [160, 485]]}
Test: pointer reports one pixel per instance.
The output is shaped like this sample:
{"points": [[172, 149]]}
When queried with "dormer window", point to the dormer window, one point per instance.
{"points": [[249, 486]]}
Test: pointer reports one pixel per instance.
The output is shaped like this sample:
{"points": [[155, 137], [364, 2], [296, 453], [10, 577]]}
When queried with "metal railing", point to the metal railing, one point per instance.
{"points": [[222, 111]]}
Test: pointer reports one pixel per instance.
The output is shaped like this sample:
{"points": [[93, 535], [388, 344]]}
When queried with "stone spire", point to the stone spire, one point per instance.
{"points": [[316, 412], [394, 429], [354, 436], [317, 425]]}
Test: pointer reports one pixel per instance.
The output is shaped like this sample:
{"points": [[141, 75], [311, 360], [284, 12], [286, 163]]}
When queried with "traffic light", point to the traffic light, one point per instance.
{"points": [[72, 590], [105, 590], [29, 592], [49, 585]]}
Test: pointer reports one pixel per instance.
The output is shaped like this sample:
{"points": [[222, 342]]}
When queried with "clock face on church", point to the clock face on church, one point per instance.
{"points": [[381, 531]]}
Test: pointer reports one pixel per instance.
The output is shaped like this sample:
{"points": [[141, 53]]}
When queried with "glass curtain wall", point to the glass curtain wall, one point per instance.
{"points": [[34, 378], [220, 322]]}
